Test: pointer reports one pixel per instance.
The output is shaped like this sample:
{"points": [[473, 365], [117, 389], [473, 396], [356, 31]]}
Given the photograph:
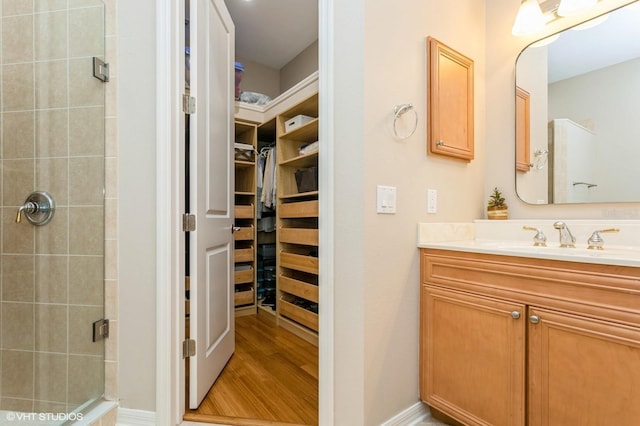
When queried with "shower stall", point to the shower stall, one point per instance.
{"points": [[52, 144]]}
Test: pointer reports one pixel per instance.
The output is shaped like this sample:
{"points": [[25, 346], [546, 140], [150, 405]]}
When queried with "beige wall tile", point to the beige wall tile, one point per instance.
{"points": [[17, 374], [51, 84], [50, 39], [16, 7], [52, 175], [49, 5], [84, 3], [17, 39], [111, 137], [16, 237], [50, 407], [51, 279], [53, 238], [17, 181], [86, 374], [50, 377], [86, 280], [111, 344], [17, 87], [111, 299], [111, 177], [111, 381], [51, 328], [17, 326], [17, 278], [86, 27], [18, 134], [86, 230], [111, 220], [111, 259], [52, 133], [86, 131], [11, 404], [86, 90], [81, 332], [86, 177]]}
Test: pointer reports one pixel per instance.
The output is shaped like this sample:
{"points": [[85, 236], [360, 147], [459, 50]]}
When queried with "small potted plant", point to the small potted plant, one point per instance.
{"points": [[496, 207]]}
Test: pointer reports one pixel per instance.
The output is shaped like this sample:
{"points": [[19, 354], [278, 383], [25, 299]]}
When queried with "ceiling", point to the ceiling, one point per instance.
{"points": [[273, 32]]}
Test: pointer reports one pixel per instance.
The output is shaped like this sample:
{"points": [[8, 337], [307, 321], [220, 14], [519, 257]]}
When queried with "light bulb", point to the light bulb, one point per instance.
{"points": [[529, 19]]}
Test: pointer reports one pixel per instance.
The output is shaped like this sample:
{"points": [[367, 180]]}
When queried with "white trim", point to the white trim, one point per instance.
{"points": [[169, 33], [130, 417], [417, 413], [326, 206]]}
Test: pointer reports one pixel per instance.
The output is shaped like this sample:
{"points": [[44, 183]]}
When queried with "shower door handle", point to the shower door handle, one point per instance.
{"points": [[38, 208]]}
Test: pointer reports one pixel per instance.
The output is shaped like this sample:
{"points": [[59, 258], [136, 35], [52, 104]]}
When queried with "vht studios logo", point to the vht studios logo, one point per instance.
{"points": [[16, 416]]}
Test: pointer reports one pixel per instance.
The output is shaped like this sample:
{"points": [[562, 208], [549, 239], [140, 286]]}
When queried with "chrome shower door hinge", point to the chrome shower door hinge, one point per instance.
{"points": [[100, 70], [100, 329], [188, 222], [188, 348], [188, 104]]}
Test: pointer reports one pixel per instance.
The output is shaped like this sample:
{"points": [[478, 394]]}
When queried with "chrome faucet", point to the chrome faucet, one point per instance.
{"points": [[566, 237]]}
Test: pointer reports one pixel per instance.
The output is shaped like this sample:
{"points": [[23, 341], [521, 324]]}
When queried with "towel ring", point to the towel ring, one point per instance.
{"points": [[400, 110]]}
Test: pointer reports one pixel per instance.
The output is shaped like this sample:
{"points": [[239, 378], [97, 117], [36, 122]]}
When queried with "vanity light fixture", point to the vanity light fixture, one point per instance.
{"points": [[574, 7], [529, 19]]}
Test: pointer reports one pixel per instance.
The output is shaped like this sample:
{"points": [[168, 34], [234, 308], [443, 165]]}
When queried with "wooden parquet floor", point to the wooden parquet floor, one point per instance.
{"points": [[271, 379]]}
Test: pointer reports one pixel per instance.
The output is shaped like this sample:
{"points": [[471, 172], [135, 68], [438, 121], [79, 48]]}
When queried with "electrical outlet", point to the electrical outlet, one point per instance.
{"points": [[432, 201]]}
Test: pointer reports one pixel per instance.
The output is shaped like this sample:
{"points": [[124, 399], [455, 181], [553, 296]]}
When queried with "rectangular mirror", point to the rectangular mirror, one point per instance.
{"points": [[584, 98]]}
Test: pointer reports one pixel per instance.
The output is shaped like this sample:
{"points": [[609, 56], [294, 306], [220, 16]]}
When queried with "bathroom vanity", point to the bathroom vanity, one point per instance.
{"points": [[524, 338]]}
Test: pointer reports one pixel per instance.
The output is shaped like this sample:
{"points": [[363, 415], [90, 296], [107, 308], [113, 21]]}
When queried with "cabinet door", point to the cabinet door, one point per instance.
{"points": [[450, 102], [582, 371], [473, 357]]}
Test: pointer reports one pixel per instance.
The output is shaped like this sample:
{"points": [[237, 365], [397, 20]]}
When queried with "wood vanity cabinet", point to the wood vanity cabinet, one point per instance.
{"points": [[511, 340]]}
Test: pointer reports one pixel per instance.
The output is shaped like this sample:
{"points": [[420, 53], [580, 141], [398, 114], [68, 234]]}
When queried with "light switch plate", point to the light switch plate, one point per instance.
{"points": [[386, 199], [432, 201]]}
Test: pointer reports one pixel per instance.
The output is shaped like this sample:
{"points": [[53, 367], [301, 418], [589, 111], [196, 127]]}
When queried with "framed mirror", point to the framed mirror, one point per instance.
{"points": [[579, 128]]}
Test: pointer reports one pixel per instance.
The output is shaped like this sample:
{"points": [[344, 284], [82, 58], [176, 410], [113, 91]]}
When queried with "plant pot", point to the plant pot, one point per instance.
{"points": [[498, 213]]}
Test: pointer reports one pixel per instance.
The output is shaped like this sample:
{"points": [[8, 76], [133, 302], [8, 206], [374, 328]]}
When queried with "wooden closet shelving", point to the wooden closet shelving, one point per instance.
{"points": [[245, 220], [297, 223]]}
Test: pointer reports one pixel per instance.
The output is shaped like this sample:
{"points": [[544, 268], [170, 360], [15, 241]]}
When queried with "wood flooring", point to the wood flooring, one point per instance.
{"points": [[271, 379]]}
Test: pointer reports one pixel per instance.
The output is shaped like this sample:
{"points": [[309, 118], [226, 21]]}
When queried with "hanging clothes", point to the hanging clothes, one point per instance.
{"points": [[268, 195]]}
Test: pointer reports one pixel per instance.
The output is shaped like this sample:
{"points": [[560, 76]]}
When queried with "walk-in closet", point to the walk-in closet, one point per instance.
{"points": [[273, 374]]}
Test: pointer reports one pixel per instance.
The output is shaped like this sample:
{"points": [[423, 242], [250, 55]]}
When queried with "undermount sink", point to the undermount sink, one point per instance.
{"points": [[611, 254], [515, 238]]}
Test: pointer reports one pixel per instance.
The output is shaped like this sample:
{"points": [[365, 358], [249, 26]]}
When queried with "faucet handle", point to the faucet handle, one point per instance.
{"points": [[595, 241], [539, 240]]}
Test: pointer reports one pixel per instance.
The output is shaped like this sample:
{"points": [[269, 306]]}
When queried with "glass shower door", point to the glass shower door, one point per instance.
{"points": [[52, 139]]}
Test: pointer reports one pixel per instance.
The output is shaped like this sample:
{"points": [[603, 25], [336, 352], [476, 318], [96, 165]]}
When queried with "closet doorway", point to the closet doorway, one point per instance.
{"points": [[273, 374]]}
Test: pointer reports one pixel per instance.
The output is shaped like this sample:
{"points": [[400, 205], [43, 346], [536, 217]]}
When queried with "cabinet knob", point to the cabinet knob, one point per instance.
{"points": [[515, 314], [534, 319]]}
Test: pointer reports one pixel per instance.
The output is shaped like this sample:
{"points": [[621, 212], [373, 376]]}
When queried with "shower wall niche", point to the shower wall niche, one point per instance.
{"points": [[52, 139]]}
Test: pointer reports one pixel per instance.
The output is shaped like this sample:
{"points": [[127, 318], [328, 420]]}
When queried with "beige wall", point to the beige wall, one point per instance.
{"points": [[260, 78], [137, 202], [300, 67]]}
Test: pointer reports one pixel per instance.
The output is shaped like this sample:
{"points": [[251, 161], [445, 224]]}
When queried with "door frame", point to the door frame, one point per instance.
{"points": [[170, 265]]}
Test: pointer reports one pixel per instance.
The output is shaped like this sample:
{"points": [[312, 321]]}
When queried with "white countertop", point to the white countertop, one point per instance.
{"points": [[508, 238]]}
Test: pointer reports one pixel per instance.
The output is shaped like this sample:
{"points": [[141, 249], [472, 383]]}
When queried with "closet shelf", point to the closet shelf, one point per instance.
{"points": [[306, 160], [305, 132], [299, 195], [241, 163]]}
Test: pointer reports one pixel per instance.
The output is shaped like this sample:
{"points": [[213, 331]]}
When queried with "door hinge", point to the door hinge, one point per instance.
{"points": [[188, 348], [188, 104], [100, 329], [100, 70], [188, 222]]}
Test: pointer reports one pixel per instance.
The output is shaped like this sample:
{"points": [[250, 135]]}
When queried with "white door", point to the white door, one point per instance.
{"points": [[211, 194]]}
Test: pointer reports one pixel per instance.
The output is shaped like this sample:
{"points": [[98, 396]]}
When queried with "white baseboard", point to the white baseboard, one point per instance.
{"points": [[130, 417], [414, 414]]}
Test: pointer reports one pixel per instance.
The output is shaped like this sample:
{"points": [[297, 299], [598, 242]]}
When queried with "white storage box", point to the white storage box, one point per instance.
{"points": [[296, 121]]}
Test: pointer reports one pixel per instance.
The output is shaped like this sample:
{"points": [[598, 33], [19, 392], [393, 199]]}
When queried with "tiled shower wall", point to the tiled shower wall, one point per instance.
{"points": [[53, 131]]}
